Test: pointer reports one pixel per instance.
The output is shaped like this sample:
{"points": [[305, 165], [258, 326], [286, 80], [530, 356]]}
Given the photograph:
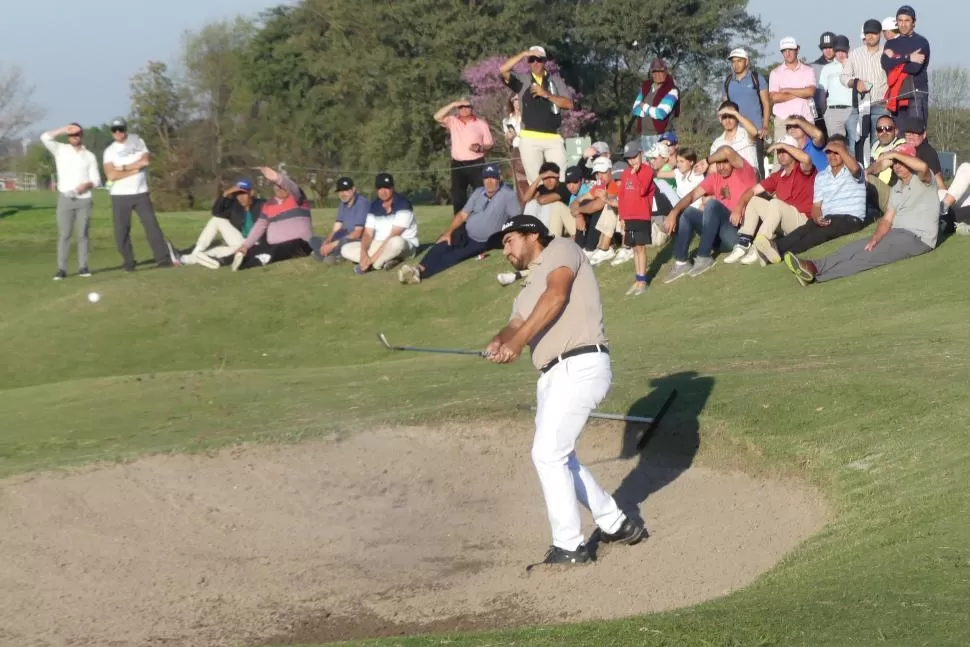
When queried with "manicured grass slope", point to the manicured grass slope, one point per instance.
{"points": [[858, 386]]}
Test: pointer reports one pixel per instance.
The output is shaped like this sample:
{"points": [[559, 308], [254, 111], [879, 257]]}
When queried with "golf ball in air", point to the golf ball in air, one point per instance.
{"points": [[94, 297]]}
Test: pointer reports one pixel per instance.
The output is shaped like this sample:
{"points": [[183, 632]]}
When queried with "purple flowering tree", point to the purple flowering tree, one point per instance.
{"points": [[491, 97]]}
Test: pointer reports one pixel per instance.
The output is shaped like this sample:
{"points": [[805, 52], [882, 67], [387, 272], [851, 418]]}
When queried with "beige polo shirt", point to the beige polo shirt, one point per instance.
{"points": [[581, 321]]}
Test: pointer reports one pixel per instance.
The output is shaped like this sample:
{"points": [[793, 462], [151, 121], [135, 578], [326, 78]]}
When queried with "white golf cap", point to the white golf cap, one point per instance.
{"points": [[602, 165], [738, 52], [541, 51], [789, 140], [660, 149], [889, 24], [788, 43]]}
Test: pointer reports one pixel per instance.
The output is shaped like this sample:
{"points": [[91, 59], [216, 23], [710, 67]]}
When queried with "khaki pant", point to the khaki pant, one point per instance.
{"points": [[607, 222], [558, 219], [536, 150], [395, 248], [882, 190], [772, 214], [960, 186]]}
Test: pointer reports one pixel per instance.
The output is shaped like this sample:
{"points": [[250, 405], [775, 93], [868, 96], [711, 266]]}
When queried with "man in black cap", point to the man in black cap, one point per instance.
{"points": [[863, 74], [558, 314], [349, 226], [487, 209], [390, 231], [826, 43], [906, 61]]}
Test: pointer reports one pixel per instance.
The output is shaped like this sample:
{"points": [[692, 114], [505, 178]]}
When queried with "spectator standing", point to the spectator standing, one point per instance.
{"points": [[471, 138], [862, 73], [748, 89], [77, 174], [791, 87], [635, 197], [906, 61], [839, 99], [348, 227], [541, 97], [826, 45], [658, 102], [125, 161]]}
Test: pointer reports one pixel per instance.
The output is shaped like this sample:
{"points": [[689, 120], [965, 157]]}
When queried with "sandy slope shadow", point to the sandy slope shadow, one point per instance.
{"points": [[673, 442]]}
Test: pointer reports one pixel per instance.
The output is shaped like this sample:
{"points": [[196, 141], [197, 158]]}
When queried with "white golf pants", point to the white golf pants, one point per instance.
{"points": [[223, 228], [565, 396]]}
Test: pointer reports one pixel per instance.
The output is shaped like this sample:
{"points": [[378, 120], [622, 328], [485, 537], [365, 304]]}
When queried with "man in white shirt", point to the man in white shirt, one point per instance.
{"points": [[125, 162], [838, 96], [77, 174], [390, 231], [863, 74], [740, 133]]}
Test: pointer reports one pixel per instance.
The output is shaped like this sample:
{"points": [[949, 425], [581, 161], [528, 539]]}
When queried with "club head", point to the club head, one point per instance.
{"points": [[383, 340]]}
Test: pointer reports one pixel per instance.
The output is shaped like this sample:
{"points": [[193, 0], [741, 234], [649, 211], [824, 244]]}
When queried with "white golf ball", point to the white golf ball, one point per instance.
{"points": [[635, 43], [94, 297]]}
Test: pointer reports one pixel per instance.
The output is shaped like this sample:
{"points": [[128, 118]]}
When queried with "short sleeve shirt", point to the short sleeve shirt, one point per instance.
{"points": [[581, 321], [794, 188], [487, 215], [841, 195], [747, 97], [742, 144], [729, 190], [803, 76], [401, 214], [929, 155], [917, 207], [123, 153], [355, 215], [560, 190]]}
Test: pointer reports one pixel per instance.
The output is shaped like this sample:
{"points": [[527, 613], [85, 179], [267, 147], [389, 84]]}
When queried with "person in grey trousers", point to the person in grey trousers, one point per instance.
{"points": [[77, 174], [909, 228], [125, 162]]}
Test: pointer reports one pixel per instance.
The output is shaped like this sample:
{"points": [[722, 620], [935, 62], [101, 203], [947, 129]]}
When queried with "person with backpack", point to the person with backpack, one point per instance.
{"points": [[749, 90]]}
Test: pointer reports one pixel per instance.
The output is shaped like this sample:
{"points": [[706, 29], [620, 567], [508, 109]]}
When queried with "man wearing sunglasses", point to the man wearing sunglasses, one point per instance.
{"points": [[125, 162], [880, 176], [542, 97], [471, 138]]}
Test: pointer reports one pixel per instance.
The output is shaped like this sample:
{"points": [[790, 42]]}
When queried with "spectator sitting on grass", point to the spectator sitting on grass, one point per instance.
{"points": [[809, 138], [548, 200], [349, 226], [959, 194], [740, 133], [233, 215], [909, 228], [390, 231], [486, 210], [286, 223], [663, 162], [688, 175], [595, 213]]}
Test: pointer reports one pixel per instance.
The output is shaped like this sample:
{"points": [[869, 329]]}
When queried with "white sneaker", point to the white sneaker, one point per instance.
{"points": [[264, 258], [963, 229], [505, 278], [237, 261], [590, 254], [408, 275], [602, 255], [625, 254], [737, 254], [752, 257]]}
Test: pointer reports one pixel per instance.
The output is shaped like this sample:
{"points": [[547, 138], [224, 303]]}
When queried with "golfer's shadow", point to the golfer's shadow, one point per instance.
{"points": [[672, 444]]}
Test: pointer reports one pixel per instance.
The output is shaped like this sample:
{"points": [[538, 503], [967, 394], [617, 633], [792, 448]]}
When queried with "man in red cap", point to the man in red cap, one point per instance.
{"points": [[909, 228]]}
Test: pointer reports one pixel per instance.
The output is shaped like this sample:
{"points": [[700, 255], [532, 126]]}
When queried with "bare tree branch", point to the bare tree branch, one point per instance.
{"points": [[17, 108], [949, 99]]}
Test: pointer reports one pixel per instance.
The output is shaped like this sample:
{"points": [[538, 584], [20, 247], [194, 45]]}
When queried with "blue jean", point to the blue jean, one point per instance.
{"points": [[713, 223]]}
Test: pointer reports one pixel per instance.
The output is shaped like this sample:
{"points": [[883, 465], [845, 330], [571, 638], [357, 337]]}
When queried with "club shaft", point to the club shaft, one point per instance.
{"points": [[447, 351], [605, 416]]}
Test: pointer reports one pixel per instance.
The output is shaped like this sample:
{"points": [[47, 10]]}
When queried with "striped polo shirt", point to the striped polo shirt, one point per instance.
{"points": [[841, 194]]}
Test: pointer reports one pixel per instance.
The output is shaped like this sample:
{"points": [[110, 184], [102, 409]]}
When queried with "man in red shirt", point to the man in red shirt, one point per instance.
{"points": [[732, 178], [471, 138], [794, 189], [635, 198]]}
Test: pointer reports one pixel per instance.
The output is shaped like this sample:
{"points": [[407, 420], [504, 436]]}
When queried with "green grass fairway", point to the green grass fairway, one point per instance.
{"points": [[859, 387]]}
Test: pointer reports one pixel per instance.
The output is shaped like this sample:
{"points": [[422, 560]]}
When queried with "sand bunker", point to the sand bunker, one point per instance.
{"points": [[380, 533]]}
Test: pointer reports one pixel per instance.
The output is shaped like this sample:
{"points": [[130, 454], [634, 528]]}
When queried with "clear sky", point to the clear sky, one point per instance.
{"points": [[81, 55]]}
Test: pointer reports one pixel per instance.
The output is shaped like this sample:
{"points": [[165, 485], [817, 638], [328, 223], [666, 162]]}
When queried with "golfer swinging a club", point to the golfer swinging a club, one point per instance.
{"points": [[559, 315]]}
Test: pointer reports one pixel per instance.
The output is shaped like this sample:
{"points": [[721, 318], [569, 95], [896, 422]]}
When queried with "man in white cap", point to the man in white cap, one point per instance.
{"points": [[749, 90], [791, 87], [890, 29], [542, 96]]}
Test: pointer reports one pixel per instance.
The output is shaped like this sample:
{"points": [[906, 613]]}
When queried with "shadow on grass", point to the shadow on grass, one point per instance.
{"points": [[14, 209], [673, 442]]}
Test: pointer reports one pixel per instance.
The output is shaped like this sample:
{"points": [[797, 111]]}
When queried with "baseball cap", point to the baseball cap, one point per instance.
{"points": [[549, 167], [523, 224], [660, 149], [827, 39], [119, 122], [842, 43], [872, 26], [384, 181], [738, 52], [906, 10], [914, 126], [658, 64], [632, 149], [788, 43], [491, 170], [244, 184], [602, 165], [575, 174], [539, 50], [889, 24], [906, 149], [618, 167], [344, 183], [670, 138], [602, 148], [788, 140]]}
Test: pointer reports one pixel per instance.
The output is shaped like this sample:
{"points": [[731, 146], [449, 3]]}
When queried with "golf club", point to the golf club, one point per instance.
{"points": [[448, 351], [603, 416], [652, 425]]}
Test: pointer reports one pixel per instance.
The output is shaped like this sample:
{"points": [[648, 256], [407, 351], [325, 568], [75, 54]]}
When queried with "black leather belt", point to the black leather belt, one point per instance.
{"points": [[579, 350], [838, 107]]}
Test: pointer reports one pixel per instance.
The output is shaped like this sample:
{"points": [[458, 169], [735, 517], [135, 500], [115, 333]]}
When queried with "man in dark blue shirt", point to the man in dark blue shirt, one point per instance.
{"points": [[349, 226], [906, 60]]}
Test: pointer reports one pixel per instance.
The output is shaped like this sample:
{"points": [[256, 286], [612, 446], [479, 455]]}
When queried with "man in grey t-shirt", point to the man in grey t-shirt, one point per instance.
{"points": [[908, 229], [484, 214]]}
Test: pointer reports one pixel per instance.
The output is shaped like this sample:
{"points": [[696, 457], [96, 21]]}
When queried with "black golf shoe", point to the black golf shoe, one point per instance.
{"points": [[630, 533]]}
